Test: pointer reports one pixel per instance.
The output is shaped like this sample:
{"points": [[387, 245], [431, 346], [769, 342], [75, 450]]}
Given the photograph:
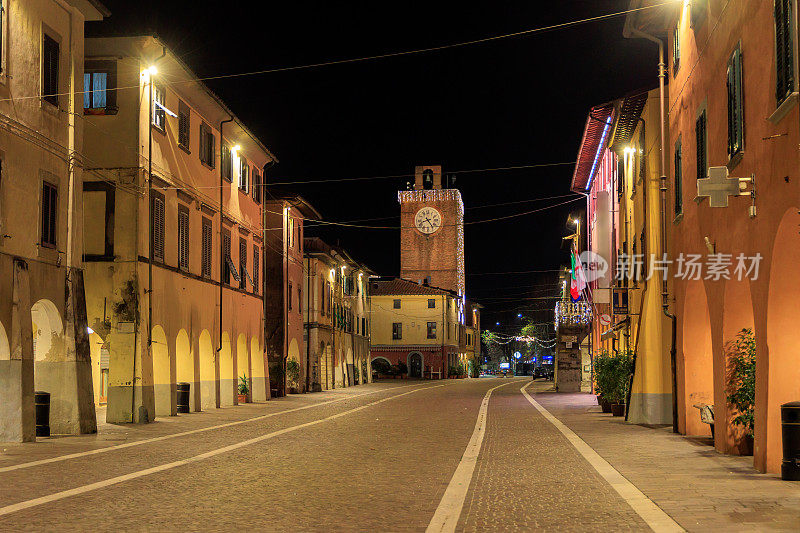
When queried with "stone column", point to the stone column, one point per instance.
{"points": [[17, 417]]}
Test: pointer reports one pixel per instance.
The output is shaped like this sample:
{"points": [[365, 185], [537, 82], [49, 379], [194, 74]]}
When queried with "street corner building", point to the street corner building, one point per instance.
{"points": [[336, 311], [43, 322], [174, 240]]}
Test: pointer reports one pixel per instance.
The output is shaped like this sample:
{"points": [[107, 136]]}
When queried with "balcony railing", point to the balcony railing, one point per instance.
{"points": [[573, 314]]}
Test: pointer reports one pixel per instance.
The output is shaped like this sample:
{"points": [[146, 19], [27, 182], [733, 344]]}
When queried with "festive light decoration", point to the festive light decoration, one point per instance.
{"points": [[573, 314]]}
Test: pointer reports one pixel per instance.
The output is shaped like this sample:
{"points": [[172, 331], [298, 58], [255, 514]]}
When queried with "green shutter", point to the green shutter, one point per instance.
{"points": [[678, 178]]}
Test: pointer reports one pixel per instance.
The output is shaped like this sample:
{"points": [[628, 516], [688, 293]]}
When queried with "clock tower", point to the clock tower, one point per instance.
{"points": [[432, 231]]}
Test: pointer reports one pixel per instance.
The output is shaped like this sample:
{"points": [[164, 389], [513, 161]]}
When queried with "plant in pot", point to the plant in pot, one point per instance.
{"points": [[741, 370], [621, 367], [603, 377], [244, 389], [402, 369], [462, 373], [293, 375]]}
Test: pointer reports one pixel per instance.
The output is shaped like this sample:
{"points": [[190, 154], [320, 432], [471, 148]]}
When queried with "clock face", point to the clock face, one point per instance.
{"points": [[428, 220]]}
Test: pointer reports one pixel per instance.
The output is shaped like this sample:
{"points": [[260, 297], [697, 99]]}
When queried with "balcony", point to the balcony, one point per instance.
{"points": [[573, 314]]}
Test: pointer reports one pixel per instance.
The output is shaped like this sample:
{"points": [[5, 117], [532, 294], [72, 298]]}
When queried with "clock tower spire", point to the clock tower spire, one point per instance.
{"points": [[432, 231]]}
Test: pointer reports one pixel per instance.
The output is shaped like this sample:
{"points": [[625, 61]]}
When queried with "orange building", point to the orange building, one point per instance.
{"points": [[733, 103]]}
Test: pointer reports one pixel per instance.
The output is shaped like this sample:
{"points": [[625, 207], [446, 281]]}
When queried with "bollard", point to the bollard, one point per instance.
{"points": [[183, 397], [790, 431], [41, 401]]}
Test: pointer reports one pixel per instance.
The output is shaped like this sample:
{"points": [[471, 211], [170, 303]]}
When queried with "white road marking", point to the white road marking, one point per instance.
{"points": [[651, 513], [447, 514], [184, 433], [168, 466]]}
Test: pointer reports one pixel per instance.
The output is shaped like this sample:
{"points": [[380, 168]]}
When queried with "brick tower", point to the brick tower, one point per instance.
{"points": [[432, 234]]}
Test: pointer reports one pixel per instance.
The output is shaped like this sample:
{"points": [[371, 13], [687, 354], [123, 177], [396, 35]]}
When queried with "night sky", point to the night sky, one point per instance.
{"points": [[512, 102]]}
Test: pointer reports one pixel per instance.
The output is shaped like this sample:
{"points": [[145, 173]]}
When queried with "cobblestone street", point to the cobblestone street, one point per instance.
{"points": [[381, 457]]}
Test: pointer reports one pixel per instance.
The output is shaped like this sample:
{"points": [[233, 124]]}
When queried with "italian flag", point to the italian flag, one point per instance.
{"points": [[577, 281]]}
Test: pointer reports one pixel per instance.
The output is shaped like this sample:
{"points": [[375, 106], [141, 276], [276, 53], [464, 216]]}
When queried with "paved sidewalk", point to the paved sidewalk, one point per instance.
{"points": [[699, 488], [109, 435]]}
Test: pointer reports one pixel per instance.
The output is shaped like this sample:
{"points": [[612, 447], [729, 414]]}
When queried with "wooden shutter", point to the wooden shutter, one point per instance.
{"points": [[50, 54], [256, 267], [784, 50], [183, 124], [49, 215], [207, 248], [157, 228], [226, 254], [183, 237], [678, 178], [225, 161], [735, 104], [242, 263], [700, 135]]}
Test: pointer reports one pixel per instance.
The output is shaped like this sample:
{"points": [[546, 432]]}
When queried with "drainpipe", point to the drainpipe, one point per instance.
{"points": [[150, 224], [223, 261], [263, 265], [662, 72], [307, 324]]}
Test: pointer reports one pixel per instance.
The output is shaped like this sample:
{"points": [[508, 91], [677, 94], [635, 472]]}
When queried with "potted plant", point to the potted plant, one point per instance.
{"points": [[742, 385], [402, 369], [243, 389], [293, 375], [621, 368], [602, 375]]}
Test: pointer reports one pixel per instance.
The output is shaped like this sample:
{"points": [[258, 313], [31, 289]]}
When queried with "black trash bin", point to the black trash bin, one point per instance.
{"points": [[790, 424], [41, 401], [183, 397]]}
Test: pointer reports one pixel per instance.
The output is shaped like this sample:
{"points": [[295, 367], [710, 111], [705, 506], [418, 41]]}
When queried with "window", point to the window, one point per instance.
{"points": [[159, 101], [256, 268], [99, 82], [397, 331], [431, 303], [396, 303], [431, 330], [427, 179], [322, 297], [289, 299], [207, 248], [784, 50], [290, 231], [735, 104], [242, 263], [363, 326], [49, 214], [207, 143], [256, 186], [2, 36], [50, 53], [183, 237], [244, 174], [184, 125], [621, 176], [676, 49], [226, 257], [678, 178], [701, 145], [299, 299], [157, 227], [226, 161]]}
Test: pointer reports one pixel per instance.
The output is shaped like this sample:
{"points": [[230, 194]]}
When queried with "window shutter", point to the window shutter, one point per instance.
{"points": [[256, 267], [242, 263], [700, 135], [678, 178], [784, 50], [158, 228], [183, 238], [207, 250], [183, 124]]}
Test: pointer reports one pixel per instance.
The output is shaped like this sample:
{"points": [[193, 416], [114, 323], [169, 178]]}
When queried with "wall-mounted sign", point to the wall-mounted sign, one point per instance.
{"points": [[620, 298], [505, 366]]}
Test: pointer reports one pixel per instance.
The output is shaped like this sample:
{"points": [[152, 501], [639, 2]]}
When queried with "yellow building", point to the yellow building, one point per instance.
{"points": [[472, 337], [417, 325], [619, 170], [336, 311], [43, 335], [173, 251]]}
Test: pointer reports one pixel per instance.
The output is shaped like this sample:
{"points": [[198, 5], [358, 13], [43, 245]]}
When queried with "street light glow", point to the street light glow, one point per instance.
{"points": [[152, 70]]}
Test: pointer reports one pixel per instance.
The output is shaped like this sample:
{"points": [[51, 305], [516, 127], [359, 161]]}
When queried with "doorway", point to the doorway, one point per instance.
{"points": [[415, 365]]}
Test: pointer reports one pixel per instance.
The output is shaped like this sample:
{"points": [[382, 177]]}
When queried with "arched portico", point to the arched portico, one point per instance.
{"points": [[698, 363]]}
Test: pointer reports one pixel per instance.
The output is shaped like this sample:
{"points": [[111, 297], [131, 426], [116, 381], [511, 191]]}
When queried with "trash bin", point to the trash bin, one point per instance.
{"points": [[41, 402], [183, 397], [790, 423]]}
